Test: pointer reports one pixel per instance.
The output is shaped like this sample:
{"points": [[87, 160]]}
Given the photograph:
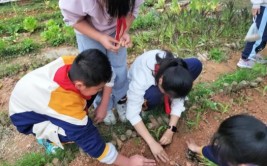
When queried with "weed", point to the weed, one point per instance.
{"points": [[149, 20], [217, 55], [160, 4]]}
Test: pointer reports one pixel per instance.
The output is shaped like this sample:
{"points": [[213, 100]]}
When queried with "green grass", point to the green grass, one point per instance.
{"points": [[40, 159]]}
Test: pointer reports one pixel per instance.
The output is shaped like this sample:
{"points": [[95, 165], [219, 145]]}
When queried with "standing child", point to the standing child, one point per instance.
{"points": [[241, 140], [104, 25], [250, 54], [52, 102], [153, 75]]}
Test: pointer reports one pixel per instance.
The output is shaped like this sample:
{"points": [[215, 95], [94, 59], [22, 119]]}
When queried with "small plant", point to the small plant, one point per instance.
{"points": [[160, 4], [28, 45], [52, 34], [217, 55], [30, 24]]}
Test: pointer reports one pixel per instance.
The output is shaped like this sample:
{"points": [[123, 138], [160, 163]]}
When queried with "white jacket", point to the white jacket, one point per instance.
{"points": [[258, 3], [140, 79]]}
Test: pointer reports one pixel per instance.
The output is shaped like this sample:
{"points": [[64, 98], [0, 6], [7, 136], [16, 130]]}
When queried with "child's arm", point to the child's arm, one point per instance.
{"points": [[256, 3], [101, 110], [206, 151], [125, 40], [155, 147], [168, 134], [107, 41], [177, 107], [256, 7]]}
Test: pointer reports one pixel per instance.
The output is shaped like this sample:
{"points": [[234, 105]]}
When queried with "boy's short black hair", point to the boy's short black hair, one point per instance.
{"points": [[241, 139], [92, 67], [119, 8], [177, 80]]}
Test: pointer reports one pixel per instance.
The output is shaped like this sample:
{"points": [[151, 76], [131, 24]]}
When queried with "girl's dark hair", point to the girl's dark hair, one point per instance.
{"points": [[177, 80], [241, 139], [119, 8], [92, 67]]}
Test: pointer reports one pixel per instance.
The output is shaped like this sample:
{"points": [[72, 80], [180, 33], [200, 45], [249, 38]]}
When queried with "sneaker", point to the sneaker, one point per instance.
{"points": [[259, 59], [50, 148], [121, 109], [245, 63], [110, 118]]}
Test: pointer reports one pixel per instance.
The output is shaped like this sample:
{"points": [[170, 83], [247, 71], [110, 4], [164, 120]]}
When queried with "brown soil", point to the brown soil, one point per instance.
{"points": [[14, 145]]}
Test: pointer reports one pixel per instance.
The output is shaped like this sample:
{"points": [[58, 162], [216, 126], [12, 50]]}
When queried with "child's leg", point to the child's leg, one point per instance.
{"points": [[252, 48], [194, 66], [153, 97]]}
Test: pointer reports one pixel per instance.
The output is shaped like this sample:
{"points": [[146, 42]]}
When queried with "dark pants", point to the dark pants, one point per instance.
{"points": [[252, 48], [211, 155], [153, 96]]}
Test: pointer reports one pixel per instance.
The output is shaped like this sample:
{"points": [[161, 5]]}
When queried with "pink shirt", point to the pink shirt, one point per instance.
{"points": [[75, 10]]}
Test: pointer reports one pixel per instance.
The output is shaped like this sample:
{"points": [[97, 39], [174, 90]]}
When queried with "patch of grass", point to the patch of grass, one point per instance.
{"points": [[147, 21], [217, 55], [40, 159], [13, 48], [202, 92]]}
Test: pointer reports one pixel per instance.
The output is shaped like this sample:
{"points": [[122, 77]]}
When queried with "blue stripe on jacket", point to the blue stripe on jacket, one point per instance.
{"points": [[87, 137]]}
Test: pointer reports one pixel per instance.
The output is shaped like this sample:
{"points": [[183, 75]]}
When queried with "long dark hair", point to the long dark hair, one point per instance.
{"points": [[177, 81], [241, 139], [119, 8]]}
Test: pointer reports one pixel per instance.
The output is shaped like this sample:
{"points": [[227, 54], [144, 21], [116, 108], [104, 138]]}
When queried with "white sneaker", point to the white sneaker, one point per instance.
{"points": [[121, 109], [259, 59], [110, 118], [245, 63]]}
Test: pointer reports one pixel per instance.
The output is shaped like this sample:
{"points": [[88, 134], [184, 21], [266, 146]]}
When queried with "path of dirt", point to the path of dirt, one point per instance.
{"points": [[13, 145]]}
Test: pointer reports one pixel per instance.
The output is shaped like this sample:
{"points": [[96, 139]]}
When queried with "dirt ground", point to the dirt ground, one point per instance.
{"points": [[13, 145]]}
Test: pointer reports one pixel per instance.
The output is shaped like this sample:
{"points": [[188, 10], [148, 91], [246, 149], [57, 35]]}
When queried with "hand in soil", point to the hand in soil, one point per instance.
{"points": [[166, 137], [138, 160], [158, 152], [193, 146], [193, 151]]}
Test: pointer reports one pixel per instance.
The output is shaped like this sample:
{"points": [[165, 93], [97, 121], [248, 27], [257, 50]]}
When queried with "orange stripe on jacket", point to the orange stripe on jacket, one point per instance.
{"points": [[67, 103], [68, 59]]}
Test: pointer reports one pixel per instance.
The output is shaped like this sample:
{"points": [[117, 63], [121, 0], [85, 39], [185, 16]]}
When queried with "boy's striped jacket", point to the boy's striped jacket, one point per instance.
{"points": [[46, 103]]}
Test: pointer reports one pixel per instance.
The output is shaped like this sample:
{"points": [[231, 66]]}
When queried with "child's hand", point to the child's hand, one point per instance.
{"points": [[255, 11], [193, 146], [125, 40], [166, 137], [138, 160], [100, 114], [158, 152], [110, 43]]}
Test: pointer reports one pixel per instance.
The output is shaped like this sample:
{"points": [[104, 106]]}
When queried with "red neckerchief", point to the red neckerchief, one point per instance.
{"points": [[166, 97], [61, 77], [120, 28]]}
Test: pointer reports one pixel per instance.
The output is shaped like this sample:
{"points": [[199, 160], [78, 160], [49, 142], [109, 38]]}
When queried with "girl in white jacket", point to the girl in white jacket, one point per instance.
{"points": [[250, 54], [154, 75]]}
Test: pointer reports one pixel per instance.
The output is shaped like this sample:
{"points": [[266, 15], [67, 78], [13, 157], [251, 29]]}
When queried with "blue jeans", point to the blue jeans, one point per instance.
{"points": [[252, 48], [153, 95], [118, 62]]}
